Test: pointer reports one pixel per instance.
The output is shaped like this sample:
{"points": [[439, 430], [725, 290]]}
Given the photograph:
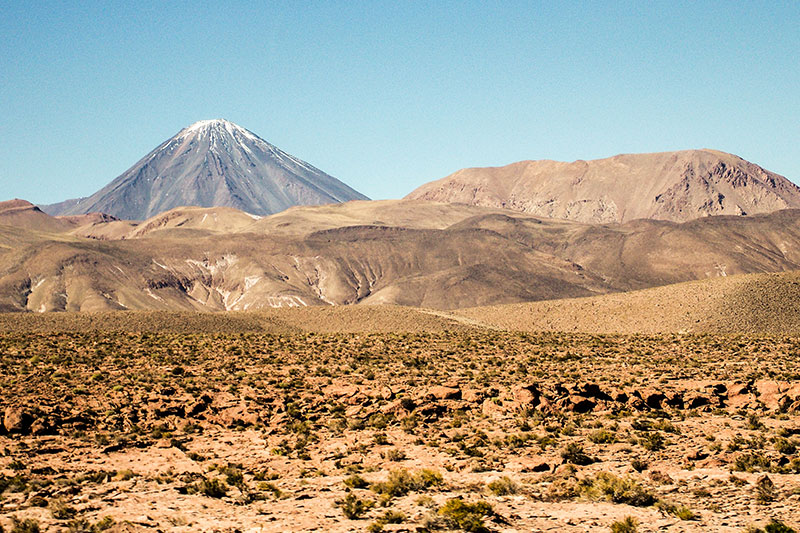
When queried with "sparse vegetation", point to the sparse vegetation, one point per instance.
{"points": [[269, 419]]}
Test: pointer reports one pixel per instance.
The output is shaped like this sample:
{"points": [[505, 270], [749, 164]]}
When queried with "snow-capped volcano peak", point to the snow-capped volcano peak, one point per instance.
{"points": [[215, 163], [217, 125]]}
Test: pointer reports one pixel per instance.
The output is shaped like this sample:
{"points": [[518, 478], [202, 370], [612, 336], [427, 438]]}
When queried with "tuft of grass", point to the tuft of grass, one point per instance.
{"points": [[503, 486], [629, 524], [603, 436], [356, 482], [573, 453], [401, 482], [679, 511], [765, 491], [775, 526], [61, 511], [354, 507], [615, 489]]}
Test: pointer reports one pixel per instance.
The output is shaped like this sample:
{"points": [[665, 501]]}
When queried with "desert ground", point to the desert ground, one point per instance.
{"points": [[300, 420]]}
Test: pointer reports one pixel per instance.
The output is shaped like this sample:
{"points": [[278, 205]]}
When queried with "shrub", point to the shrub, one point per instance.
{"points": [[617, 490], [652, 441], [394, 454], [466, 516], [752, 462], [679, 511], [27, 525], [628, 524], [401, 482], [503, 486], [61, 511], [603, 436], [573, 453], [356, 482], [80, 525], [765, 491], [354, 507], [213, 488], [785, 446], [775, 526]]}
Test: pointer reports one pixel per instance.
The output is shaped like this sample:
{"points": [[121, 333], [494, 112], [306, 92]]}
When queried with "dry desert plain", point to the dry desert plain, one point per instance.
{"points": [[397, 419]]}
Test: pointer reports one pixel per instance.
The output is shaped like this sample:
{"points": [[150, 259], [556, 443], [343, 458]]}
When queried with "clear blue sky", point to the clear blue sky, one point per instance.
{"points": [[388, 95]]}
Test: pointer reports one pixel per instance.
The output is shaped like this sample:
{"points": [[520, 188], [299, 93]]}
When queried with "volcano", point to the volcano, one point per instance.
{"points": [[212, 163]]}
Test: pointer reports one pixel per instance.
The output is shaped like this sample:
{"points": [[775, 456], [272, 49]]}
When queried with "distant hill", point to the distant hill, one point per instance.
{"points": [[411, 253], [750, 303], [23, 214], [675, 186], [212, 163]]}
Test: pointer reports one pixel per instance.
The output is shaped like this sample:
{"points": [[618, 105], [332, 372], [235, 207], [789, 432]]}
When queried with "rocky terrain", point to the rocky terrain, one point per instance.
{"points": [[468, 430], [212, 163], [676, 186]]}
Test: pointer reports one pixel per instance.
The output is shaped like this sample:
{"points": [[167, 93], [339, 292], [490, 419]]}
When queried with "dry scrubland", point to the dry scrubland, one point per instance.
{"points": [[152, 427]]}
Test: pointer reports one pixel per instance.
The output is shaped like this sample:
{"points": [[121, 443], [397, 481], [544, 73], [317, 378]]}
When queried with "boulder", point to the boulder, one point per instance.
{"points": [[739, 395], [575, 404], [444, 393], [770, 394], [592, 390], [525, 396], [17, 420], [694, 399], [653, 398], [474, 395], [493, 407]]}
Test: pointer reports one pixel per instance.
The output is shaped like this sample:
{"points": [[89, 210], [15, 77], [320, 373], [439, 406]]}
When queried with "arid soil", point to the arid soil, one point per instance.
{"points": [[470, 430]]}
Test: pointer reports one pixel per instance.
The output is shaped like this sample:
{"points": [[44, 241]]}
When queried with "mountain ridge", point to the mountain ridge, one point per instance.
{"points": [[676, 186]]}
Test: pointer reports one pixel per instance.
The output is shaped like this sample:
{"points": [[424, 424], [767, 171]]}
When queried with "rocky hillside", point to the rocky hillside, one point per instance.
{"points": [[676, 186]]}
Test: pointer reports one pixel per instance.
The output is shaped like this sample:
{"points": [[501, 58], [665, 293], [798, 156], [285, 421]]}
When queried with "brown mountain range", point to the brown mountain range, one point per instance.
{"points": [[400, 252], [676, 186]]}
